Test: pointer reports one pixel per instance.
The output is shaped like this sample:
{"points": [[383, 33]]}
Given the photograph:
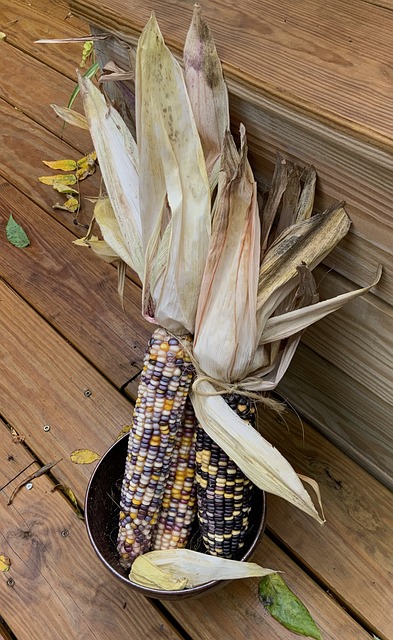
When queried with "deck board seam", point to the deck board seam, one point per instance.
{"points": [[69, 342], [327, 588]]}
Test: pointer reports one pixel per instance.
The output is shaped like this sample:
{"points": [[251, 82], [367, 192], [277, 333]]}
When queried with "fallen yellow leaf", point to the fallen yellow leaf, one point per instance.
{"points": [[72, 205], [5, 563], [124, 430], [91, 157], [64, 188], [68, 178], [84, 456], [63, 165]]}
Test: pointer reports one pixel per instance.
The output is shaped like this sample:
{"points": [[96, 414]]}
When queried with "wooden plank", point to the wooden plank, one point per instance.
{"points": [[357, 339], [24, 144], [52, 391], [59, 10], [352, 551], [24, 24], [341, 408], [300, 54], [236, 612], [49, 363], [50, 87], [360, 257], [85, 601], [74, 290]]}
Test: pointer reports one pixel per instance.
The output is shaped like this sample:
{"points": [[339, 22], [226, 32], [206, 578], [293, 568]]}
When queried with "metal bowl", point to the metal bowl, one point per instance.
{"points": [[102, 514]]}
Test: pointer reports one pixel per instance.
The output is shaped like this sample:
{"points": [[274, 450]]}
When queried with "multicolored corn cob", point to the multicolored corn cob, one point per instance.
{"points": [[158, 413], [224, 493], [179, 502]]}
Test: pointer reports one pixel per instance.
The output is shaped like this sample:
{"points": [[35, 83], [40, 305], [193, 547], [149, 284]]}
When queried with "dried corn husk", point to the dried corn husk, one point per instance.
{"points": [[71, 116], [109, 226], [173, 186], [118, 157], [182, 568], [231, 275], [280, 327], [306, 242], [207, 91], [248, 319], [104, 251]]}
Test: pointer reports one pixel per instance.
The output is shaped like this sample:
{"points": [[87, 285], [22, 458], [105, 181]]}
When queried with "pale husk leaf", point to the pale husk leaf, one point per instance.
{"points": [[207, 91], [71, 116], [268, 377], [226, 331], [109, 227], [306, 200], [183, 568], [307, 242], [117, 155], [257, 458], [172, 169], [100, 248], [287, 324]]}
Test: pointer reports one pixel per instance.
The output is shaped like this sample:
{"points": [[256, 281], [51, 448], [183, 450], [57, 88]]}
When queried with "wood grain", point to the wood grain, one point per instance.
{"points": [[357, 339], [347, 412], [24, 23], [24, 144], [50, 87], [234, 611], [43, 381], [328, 60], [84, 600], [353, 548], [74, 290]]}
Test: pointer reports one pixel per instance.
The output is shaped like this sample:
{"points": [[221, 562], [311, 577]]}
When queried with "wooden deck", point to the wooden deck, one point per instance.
{"points": [[63, 333]]}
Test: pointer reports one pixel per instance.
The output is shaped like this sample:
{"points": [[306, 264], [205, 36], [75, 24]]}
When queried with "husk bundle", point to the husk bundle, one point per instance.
{"points": [[183, 213]]}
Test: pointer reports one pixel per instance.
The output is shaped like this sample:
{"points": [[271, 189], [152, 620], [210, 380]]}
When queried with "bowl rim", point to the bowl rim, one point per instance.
{"points": [[163, 593]]}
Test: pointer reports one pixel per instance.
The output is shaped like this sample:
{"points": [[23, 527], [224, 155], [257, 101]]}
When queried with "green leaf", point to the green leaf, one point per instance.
{"points": [[15, 234], [89, 74], [88, 49], [286, 608]]}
